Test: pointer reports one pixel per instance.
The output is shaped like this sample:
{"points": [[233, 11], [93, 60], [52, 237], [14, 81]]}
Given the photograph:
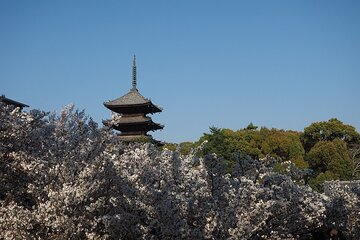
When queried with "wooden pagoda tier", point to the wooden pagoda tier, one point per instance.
{"points": [[131, 110], [133, 124], [14, 103], [131, 103]]}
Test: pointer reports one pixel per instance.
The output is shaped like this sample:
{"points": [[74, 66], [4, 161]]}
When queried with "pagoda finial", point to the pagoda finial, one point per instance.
{"points": [[134, 74]]}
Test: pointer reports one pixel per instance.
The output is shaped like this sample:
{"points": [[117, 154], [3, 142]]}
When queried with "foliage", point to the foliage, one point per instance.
{"points": [[331, 161], [259, 144], [354, 151], [185, 148], [331, 156], [170, 146], [328, 131], [283, 144], [64, 178], [251, 126], [216, 143], [318, 181], [331, 151]]}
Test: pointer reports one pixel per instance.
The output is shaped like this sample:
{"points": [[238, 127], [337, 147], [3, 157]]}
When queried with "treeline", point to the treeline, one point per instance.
{"points": [[330, 149], [63, 177]]}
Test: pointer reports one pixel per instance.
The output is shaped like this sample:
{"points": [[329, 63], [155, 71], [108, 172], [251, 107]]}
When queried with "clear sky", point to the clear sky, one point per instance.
{"points": [[281, 64]]}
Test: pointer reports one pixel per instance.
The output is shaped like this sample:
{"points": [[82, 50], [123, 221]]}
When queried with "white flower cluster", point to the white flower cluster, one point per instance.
{"points": [[344, 207], [64, 178]]}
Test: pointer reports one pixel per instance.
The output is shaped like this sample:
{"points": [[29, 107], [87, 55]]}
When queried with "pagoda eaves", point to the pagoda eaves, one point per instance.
{"points": [[14, 103], [131, 110], [130, 125], [132, 102]]}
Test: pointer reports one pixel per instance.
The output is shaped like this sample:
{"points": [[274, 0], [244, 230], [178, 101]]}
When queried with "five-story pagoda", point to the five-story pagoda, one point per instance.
{"points": [[130, 113]]}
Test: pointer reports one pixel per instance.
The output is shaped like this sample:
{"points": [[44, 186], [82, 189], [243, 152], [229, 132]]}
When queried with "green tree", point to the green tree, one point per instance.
{"points": [[284, 145], [216, 143], [170, 146], [185, 147], [330, 160], [244, 140], [251, 126], [316, 183], [328, 131]]}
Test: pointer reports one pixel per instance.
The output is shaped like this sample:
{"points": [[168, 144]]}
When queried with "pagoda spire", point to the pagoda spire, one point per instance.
{"points": [[134, 74], [131, 114]]}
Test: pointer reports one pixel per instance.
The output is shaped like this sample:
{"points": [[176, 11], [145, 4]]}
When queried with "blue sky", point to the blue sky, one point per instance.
{"points": [[281, 64]]}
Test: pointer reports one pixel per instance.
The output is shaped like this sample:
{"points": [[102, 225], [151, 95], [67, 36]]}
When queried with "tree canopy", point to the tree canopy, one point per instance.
{"points": [[330, 149], [259, 144], [63, 177], [328, 131]]}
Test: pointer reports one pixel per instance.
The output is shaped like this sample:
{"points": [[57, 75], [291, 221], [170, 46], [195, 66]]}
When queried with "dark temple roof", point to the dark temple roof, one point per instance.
{"points": [[9, 101], [134, 121], [131, 98]]}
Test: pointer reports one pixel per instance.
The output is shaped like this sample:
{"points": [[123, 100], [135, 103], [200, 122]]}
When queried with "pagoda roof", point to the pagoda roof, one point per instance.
{"points": [[12, 102], [135, 119], [131, 98], [131, 120], [131, 124]]}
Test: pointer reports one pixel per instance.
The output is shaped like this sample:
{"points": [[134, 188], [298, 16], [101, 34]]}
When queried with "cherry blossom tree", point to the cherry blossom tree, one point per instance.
{"points": [[63, 177]]}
